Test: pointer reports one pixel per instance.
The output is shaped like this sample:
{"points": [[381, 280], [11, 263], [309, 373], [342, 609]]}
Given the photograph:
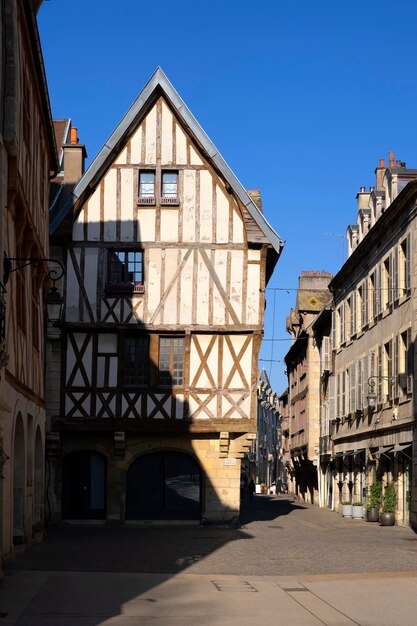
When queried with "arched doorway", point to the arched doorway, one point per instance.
{"points": [[84, 485], [163, 485], [38, 480], [19, 480]]}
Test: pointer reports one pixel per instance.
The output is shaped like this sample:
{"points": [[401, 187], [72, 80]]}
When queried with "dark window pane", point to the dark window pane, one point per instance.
{"points": [[136, 361]]}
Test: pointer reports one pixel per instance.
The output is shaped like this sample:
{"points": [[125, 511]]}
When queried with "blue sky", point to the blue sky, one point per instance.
{"points": [[301, 98]]}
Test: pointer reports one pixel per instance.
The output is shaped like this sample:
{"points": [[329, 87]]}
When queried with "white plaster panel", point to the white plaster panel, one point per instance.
{"points": [[72, 292], [170, 306], [136, 146], [153, 281], [150, 151], [121, 159], [206, 206], [181, 145], [93, 212], [146, 225], [193, 406], [236, 278], [169, 225], [203, 283], [245, 362], [107, 343], [90, 277], [188, 206], [252, 308], [78, 227], [186, 295], [202, 414], [222, 219], [254, 255], [220, 264], [110, 191], [194, 157], [244, 406], [238, 232], [166, 136], [128, 182], [195, 361]]}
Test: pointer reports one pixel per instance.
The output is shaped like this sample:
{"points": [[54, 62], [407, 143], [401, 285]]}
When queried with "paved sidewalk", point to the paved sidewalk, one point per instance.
{"points": [[288, 564]]}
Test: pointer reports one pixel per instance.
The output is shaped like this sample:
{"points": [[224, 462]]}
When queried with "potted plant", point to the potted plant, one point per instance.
{"points": [[389, 506], [357, 510], [374, 501], [347, 508]]}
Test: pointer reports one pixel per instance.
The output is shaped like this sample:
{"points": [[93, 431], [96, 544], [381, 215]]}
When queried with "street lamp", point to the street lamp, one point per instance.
{"points": [[372, 397]]}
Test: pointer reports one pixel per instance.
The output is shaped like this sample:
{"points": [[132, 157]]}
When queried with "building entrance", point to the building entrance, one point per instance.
{"points": [[163, 485], [84, 486]]}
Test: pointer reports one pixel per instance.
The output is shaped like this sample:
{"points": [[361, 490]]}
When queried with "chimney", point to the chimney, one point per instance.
{"points": [[381, 163], [391, 159], [74, 158]]}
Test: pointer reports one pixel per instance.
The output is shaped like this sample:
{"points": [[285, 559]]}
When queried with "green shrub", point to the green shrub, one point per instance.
{"points": [[375, 496], [390, 499], [357, 504]]}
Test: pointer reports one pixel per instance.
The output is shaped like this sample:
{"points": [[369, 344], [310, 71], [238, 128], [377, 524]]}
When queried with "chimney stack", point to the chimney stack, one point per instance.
{"points": [[74, 158], [391, 159]]}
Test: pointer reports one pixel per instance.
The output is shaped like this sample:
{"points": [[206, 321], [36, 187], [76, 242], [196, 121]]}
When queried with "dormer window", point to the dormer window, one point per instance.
{"points": [[158, 187], [169, 187], [147, 187]]}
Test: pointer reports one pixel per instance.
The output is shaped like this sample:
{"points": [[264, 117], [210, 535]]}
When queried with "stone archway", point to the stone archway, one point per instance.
{"points": [[19, 482], [164, 485]]}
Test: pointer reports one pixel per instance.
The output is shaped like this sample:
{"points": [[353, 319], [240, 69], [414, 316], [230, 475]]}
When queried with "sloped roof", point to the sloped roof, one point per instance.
{"points": [[157, 83]]}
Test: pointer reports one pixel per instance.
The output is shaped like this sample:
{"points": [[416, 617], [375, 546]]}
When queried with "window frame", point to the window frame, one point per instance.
{"points": [[125, 285], [147, 199], [141, 373], [172, 379]]}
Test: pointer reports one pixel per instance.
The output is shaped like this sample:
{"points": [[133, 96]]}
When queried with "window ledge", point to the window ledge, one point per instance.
{"points": [[146, 201], [125, 288], [170, 201], [403, 299]]}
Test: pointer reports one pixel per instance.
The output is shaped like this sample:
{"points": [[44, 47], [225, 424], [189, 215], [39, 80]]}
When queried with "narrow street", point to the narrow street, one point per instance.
{"points": [[288, 563]]}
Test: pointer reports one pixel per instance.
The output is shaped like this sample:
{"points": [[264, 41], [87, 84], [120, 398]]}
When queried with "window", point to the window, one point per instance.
{"points": [[406, 362], [169, 188], [405, 267], [125, 271], [373, 296], [387, 382], [171, 361], [387, 287], [136, 360], [147, 187]]}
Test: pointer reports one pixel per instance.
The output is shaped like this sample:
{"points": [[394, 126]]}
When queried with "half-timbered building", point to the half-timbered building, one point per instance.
{"points": [[167, 259], [27, 159]]}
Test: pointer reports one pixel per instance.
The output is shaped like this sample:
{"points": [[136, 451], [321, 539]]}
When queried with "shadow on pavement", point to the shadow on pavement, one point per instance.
{"points": [[266, 507]]}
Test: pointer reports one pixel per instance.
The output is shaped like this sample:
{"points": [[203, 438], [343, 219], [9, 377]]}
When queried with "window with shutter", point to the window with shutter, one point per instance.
{"points": [[334, 345], [380, 380], [325, 354], [342, 323], [332, 397], [352, 382], [408, 280], [410, 362], [359, 385], [395, 273], [365, 382], [353, 314], [396, 365]]}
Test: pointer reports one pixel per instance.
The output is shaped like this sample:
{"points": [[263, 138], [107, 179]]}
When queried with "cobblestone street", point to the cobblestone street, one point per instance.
{"points": [[287, 565], [278, 536]]}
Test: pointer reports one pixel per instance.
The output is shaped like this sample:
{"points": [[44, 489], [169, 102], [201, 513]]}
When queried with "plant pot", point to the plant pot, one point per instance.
{"points": [[346, 510], [387, 519], [357, 512], [372, 515]]}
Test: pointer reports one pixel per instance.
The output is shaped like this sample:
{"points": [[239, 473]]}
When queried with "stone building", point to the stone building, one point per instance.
{"points": [[27, 160], [265, 450], [303, 370], [374, 329], [167, 260], [285, 439]]}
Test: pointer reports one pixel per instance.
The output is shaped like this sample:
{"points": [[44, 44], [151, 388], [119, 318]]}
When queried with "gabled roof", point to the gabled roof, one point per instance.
{"points": [[158, 83]]}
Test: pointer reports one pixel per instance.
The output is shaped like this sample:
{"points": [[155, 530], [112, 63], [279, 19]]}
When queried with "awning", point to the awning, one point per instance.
{"points": [[400, 447], [383, 450]]}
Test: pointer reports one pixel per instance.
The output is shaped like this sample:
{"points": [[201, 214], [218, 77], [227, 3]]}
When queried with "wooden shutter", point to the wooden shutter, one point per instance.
{"points": [[390, 281], [365, 381], [395, 260], [408, 265], [354, 318], [396, 365], [378, 289], [325, 354], [359, 392], [334, 330], [332, 397], [352, 383], [410, 362], [342, 323], [380, 380]]}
